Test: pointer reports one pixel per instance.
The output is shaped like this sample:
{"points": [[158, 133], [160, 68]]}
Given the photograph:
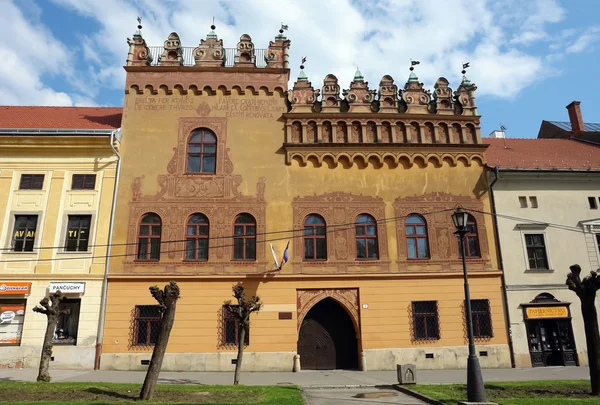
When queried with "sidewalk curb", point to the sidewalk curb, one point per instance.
{"points": [[339, 386], [417, 395]]}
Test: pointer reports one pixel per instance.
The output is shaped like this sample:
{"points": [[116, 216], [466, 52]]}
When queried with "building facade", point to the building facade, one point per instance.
{"points": [[220, 159], [546, 194], [57, 174]]}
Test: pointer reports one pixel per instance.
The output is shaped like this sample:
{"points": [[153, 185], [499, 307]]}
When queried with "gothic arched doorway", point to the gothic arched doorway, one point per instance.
{"points": [[327, 338]]}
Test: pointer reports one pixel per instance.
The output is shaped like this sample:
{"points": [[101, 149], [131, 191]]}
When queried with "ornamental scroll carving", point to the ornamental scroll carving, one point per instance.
{"points": [[437, 208], [340, 210], [182, 194], [347, 298]]}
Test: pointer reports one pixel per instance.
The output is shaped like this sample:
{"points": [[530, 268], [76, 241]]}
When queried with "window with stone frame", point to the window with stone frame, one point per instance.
{"points": [[31, 182], [482, 319], [78, 233], [244, 237], [315, 238], [23, 236], [146, 325], [149, 235], [83, 182], [425, 318], [471, 240], [416, 237], [367, 247], [231, 329], [536, 251], [202, 152], [196, 238]]}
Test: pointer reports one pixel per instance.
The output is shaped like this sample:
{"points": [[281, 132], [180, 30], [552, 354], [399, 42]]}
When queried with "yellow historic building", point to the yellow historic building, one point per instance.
{"points": [[220, 159], [57, 175]]}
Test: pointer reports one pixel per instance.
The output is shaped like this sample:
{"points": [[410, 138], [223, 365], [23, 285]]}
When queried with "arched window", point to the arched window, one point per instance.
{"points": [[471, 244], [202, 152], [244, 237], [315, 238], [416, 237], [148, 247], [196, 238], [366, 237]]}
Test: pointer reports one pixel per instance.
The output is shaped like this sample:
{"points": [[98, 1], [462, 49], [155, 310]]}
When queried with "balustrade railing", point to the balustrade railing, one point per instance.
{"points": [[188, 56]]}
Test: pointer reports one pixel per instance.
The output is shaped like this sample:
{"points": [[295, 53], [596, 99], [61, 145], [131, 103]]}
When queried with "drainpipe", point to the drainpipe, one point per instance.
{"points": [[108, 249], [501, 264]]}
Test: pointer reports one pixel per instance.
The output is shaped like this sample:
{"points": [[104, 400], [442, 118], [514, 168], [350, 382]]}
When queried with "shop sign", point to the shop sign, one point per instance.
{"points": [[547, 312], [67, 287], [7, 316], [16, 288]]}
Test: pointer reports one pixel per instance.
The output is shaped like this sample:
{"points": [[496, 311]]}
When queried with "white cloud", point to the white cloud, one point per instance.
{"points": [[379, 36], [30, 54], [584, 41]]}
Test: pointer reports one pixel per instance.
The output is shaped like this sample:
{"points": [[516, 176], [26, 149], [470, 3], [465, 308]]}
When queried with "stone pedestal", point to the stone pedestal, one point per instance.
{"points": [[296, 367], [407, 374]]}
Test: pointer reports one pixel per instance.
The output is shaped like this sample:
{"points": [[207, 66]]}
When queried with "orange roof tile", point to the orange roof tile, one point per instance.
{"points": [[60, 117], [541, 154]]}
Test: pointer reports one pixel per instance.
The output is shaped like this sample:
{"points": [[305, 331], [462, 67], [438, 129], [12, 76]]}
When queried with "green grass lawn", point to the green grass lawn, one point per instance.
{"points": [[107, 393], [517, 393]]}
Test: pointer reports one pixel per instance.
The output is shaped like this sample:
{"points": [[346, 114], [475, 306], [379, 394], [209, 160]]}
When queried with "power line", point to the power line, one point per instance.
{"points": [[531, 221], [338, 226]]}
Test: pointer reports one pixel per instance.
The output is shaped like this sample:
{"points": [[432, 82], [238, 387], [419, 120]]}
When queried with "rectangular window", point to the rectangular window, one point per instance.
{"points": [[146, 325], [482, 319], [533, 201], [592, 202], [425, 320], [523, 202], [83, 182], [31, 182], [23, 235], [68, 324], [13, 315], [78, 233], [536, 251], [231, 329]]}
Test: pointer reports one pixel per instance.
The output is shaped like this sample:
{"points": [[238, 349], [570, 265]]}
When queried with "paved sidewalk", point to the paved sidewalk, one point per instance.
{"points": [[336, 378]]}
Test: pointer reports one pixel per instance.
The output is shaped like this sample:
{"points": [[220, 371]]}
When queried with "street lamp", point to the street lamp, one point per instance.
{"points": [[475, 388]]}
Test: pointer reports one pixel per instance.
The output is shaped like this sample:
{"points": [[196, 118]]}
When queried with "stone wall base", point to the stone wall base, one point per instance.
{"points": [[253, 361], [445, 357], [65, 357]]}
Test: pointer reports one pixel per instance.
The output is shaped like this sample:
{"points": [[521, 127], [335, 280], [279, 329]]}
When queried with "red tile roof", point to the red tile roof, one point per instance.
{"points": [[60, 117], [541, 154]]}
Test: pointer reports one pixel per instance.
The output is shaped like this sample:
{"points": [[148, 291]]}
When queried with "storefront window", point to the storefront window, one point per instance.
{"points": [[66, 328], [12, 315]]}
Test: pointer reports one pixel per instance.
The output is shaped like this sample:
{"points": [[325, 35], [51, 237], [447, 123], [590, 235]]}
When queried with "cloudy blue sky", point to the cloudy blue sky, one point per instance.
{"points": [[529, 58]]}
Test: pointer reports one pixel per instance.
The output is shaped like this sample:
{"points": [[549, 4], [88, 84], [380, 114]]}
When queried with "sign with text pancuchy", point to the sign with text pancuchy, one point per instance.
{"points": [[14, 288], [69, 287]]}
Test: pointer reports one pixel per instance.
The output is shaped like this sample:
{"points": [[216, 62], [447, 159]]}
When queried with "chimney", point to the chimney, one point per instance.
{"points": [[575, 117], [498, 133]]}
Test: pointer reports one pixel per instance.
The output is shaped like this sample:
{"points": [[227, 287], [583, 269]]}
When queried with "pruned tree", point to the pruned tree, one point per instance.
{"points": [[52, 308], [167, 300], [241, 313], [586, 291]]}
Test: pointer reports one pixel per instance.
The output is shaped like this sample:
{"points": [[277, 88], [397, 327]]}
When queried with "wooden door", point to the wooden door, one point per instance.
{"points": [[315, 346]]}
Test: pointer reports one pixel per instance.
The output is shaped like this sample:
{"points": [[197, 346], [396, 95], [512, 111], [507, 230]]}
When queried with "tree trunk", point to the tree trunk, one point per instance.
{"points": [[592, 338], [240, 354], [44, 374], [158, 354]]}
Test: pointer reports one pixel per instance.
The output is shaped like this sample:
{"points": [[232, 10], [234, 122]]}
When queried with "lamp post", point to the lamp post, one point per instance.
{"points": [[475, 388]]}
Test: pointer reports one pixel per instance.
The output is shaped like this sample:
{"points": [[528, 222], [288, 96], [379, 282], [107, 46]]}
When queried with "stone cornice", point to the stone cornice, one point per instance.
{"points": [[373, 116]]}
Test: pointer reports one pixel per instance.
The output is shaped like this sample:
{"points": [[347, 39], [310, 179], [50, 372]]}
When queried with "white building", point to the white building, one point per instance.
{"points": [[546, 194]]}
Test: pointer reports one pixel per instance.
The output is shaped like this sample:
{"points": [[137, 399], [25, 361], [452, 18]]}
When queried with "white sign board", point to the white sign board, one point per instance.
{"points": [[67, 287]]}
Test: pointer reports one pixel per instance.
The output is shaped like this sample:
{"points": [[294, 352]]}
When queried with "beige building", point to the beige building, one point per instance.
{"points": [[57, 175], [546, 194]]}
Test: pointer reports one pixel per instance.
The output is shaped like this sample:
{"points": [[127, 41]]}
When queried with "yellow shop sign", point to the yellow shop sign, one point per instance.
{"points": [[547, 312]]}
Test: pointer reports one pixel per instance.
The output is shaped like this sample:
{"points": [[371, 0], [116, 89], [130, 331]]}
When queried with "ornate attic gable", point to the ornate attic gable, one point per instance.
{"points": [[388, 95], [277, 55], [443, 97], [330, 96], [416, 98], [359, 96], [139, 53], [303, 95], [210, 52], [244, 55], [172, 54]]}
